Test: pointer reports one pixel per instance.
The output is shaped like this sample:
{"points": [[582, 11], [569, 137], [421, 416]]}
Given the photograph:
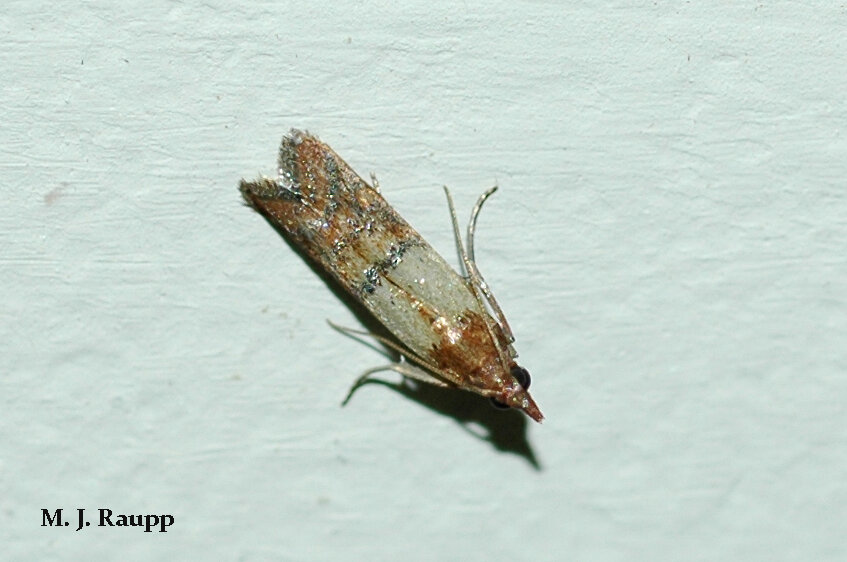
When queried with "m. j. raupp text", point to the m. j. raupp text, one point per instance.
{"points": [[106, 518]]}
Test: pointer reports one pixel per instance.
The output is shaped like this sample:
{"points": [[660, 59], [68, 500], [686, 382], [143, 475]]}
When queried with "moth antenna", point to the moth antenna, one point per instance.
{"points": [[473, 277], [483, 286]]}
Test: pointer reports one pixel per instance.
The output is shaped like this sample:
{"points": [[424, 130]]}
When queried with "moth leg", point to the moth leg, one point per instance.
{"points": [[363, 378], [483, 286], [404, 353], [404, 368], [374, 182], [416, 373]]}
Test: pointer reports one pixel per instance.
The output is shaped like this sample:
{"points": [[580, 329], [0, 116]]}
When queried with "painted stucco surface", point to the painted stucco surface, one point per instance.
{"points": [[669, 243]]}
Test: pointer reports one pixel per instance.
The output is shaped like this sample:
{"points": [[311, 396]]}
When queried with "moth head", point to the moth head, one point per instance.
{"points": [[517, 396]]}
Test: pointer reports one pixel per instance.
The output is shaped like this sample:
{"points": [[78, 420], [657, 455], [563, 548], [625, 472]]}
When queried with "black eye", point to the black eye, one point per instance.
{"points": [[499, 405], [522, 376]]}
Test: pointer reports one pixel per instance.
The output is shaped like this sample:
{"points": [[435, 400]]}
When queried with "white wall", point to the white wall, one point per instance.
{"points": [[669, 243]]}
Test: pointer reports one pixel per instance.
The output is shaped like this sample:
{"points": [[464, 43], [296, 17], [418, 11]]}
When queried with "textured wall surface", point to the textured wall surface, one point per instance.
{"points": [[669, 244]]}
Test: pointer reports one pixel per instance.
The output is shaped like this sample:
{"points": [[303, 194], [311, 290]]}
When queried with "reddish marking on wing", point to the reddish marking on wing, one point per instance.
{"points": [[466, 350]]}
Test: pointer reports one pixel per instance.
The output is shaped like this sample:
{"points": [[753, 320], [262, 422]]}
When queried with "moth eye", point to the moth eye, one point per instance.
{"points": [[499, 405], [522, 376]]}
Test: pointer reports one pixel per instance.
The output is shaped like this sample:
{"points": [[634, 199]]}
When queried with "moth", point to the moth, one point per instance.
{"points": [[448, 328]]}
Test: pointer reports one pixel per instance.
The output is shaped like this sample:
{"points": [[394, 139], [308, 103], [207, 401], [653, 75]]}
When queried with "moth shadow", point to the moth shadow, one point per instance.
{"points": [[506, 430]]}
